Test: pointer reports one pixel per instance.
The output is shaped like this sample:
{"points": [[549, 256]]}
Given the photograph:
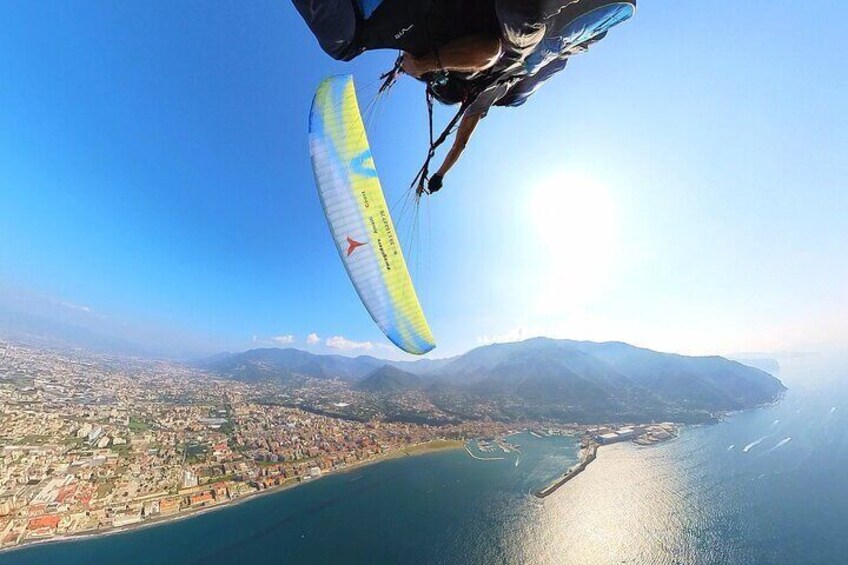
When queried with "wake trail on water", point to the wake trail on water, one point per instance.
{"points": [[753, 444], [731, 446], [780, 444]]}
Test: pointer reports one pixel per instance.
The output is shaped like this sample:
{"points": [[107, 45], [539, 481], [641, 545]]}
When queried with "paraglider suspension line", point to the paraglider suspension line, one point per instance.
{"points": [[389, 78], [420, 180]]}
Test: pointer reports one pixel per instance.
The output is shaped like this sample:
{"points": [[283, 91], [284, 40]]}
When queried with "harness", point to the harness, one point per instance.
{"points": [[434, 80]]}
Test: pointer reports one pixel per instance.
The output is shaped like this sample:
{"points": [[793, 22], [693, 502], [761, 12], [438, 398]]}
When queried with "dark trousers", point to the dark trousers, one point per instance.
{"points": [[419, 26], [333, 22]]}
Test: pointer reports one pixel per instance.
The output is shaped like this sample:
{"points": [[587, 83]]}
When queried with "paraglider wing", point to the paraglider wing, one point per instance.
{"points": [[359, 218]]}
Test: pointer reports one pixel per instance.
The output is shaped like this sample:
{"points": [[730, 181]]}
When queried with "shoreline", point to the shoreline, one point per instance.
{"points": [[411, 451], [588, 454]]}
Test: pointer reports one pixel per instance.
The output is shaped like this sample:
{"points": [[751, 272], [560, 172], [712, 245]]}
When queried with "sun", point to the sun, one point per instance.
{"points": [[573, 231]]}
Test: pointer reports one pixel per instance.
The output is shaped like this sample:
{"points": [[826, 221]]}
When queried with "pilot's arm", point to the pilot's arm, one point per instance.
{"points": [[463, 134]]}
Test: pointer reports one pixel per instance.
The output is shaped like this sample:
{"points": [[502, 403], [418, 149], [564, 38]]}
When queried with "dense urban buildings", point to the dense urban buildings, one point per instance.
{"points": [[91, 443]]}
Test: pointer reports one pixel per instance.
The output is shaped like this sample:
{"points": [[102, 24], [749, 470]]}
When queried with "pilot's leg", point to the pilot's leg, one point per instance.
{"points": [[333, 22]]}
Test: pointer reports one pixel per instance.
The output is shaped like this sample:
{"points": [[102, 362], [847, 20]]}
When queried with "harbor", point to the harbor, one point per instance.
{"points": [[588, 453], [493, 446], [589, 445]]}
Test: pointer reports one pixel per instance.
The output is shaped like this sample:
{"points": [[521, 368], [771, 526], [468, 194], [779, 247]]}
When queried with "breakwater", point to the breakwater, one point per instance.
{"points": [[590, 452], [478, 458]]}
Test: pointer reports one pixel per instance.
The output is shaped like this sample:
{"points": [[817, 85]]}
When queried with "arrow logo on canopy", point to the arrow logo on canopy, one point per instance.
{"points": [[352, 245]]}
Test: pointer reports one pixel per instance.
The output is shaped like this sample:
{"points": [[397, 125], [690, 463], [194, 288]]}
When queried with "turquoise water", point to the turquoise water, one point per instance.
{"points": [[693, 500]]}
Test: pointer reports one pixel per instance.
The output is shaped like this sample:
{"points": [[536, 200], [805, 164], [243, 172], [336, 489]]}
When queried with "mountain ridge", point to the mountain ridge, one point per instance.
{"points": [[537, 378]]}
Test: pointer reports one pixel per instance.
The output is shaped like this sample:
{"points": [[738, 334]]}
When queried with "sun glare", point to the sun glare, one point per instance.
{"points": [[574, 231]]}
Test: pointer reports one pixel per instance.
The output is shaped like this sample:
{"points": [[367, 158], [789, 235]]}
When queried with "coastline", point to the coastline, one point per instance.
{"points": [[588, 453], [433, 446]]}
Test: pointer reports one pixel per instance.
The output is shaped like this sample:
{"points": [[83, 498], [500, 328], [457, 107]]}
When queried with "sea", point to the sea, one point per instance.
{"points": [[764, 486]]}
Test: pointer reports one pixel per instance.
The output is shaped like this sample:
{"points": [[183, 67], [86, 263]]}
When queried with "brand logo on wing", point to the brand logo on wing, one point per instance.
{"points": [[403, 31], [353, 245]]}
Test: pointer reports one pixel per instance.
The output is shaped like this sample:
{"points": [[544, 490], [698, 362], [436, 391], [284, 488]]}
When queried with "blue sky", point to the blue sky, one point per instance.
{"points": [[681, 186]]}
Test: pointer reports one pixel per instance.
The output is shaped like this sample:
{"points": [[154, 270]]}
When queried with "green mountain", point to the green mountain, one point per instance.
{"points": [[389, 380], [588, 381], [541, 378], [287, 365]]}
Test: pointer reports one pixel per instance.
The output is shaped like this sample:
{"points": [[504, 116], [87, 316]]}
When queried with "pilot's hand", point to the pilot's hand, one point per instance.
{"points": [[435, 183]]}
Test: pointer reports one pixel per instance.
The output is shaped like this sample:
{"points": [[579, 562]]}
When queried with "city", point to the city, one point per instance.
{"points": [[94, 443]]}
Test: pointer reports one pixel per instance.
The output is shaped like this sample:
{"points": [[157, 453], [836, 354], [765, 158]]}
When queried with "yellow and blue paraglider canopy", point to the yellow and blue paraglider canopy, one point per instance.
{"points": [[359, 219]]}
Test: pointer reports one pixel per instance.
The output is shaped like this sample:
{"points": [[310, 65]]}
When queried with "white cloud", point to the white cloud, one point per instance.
{"points": [[341, 342], [283, 339], [312, 339], [80, 307], [519, 333], [287, 339], [66, 304]]}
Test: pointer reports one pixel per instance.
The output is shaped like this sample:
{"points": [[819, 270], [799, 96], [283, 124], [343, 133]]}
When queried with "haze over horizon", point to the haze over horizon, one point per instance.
{"points": [[157, 189]]}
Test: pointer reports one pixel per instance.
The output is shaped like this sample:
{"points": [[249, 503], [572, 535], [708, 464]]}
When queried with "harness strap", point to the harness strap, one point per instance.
{"points": [[390, 77], [420, 180]]}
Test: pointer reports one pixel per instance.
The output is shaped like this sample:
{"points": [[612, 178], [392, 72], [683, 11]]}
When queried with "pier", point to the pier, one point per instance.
{"points": [[589, 454], [478, 458], [640, 435]]}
